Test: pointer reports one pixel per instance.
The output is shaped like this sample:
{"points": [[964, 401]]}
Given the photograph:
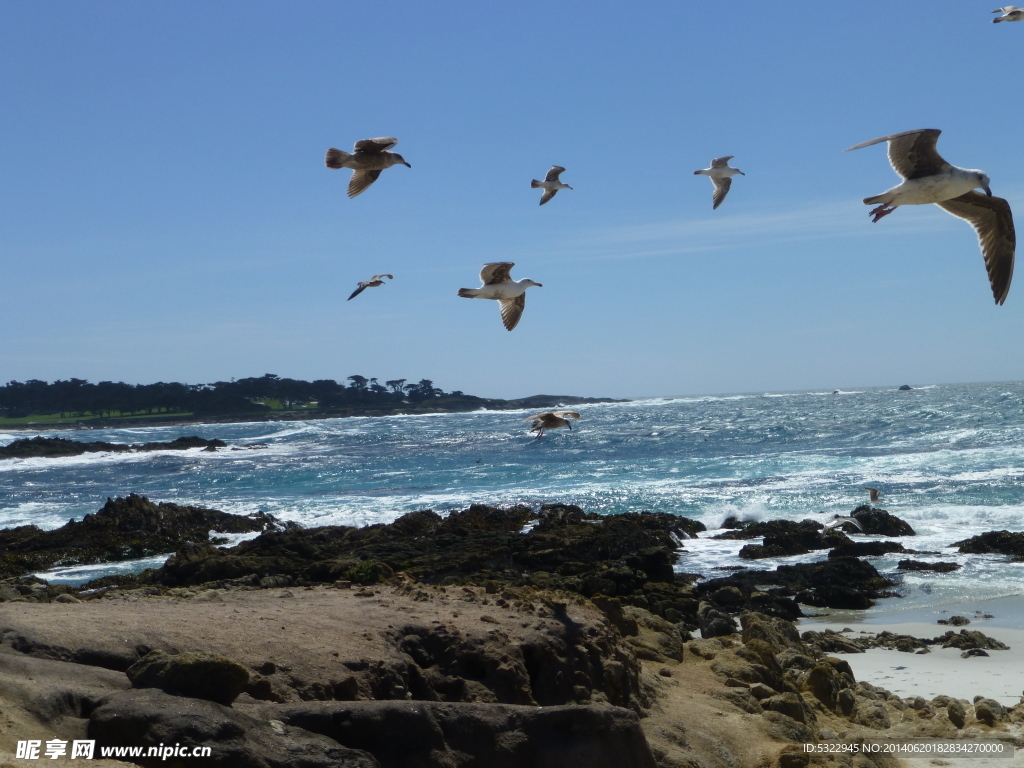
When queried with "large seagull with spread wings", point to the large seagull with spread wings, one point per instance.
{"points": [[499, 285], [368, 158], [927, 178]]}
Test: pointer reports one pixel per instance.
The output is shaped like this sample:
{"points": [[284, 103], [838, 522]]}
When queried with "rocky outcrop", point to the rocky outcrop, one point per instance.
{"points": [[784, 537], [843, 582], [426, 734], [151, 718], [879, 522], [201, 675], [52, 447], [994, 542], [125, 528]]}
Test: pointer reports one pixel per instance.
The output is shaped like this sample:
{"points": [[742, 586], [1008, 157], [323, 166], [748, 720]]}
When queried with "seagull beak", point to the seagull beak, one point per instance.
{"points": [[742, 173], [988, 191], [539, 285]]}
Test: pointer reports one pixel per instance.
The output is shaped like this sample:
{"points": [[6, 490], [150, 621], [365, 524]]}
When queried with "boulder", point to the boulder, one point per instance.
{"points": [[956, 713], [879, 522], [151, 718], [199, 674]]}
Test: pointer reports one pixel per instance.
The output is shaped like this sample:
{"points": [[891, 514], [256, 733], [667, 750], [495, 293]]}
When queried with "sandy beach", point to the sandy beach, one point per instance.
{"points": [[942, 671]]}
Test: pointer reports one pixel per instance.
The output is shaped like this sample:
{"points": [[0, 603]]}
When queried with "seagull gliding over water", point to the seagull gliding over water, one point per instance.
{"points": [[551, 420], [927, 178]]}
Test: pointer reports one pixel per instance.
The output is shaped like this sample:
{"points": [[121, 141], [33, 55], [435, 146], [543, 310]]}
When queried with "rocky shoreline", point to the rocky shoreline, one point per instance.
{"points": [[497, 637], [449, 405]]}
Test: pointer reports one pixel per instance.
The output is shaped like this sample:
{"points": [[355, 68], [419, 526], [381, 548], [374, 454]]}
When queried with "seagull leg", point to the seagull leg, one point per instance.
{"points": [[880, 212], [539, 434]]}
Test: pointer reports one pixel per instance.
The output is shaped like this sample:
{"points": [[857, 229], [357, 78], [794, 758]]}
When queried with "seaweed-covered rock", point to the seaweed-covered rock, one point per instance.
{"points": [[630, 556], [866, 549], [918, 565], [125, 528], [46, 447], [997, 542]]}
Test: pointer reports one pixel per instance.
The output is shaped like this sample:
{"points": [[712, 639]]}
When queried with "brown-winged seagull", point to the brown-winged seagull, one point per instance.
{"points": [[373, 282], [1010, 13], [551, 420], [927, 178], [551, 184], [873, 493], [499, 285], [368, 158], [721, 174]]}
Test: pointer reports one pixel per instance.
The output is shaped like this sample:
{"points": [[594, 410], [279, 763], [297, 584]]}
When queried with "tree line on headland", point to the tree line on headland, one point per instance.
{"points": [[75, 398]]}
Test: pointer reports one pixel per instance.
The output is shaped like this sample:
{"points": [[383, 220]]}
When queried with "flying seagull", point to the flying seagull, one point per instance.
{"points": [[368, 158], [373, 282], [927, 178], [550, 185], [499, 285], [721, 174], [842, 519], [1010, 13], [874, 493], [551, 420]]}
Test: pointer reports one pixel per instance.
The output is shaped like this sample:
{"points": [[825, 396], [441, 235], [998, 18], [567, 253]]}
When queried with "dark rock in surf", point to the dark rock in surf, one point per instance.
{"points": [[997, 542], [918, 565], [879, 522]]}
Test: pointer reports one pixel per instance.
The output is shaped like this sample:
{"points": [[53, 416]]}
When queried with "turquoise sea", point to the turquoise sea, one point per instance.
{"points": [[949, 459]]}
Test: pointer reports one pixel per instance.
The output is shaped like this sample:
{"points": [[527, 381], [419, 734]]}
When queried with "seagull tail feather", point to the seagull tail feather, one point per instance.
{"points": [[336, 158], [875, 199], [469, 293], [534, 183]]}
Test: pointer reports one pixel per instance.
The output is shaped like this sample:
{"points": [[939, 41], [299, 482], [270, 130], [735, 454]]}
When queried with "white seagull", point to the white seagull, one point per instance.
{"points": [[499, 285], [368, 158], [373, 282], [721, 174], [551, 420], [927, 178], [1010, 13], [551, 184], [840, 519]]}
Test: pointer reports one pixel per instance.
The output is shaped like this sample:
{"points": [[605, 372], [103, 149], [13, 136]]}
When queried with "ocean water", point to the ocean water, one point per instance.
{"points": [[949, 459]]}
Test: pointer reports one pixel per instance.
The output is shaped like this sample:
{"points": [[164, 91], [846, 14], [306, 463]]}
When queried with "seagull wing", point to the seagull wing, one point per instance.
{"points": [[912, 154], [378, 277], [553, 173], [567, 414], [721, 162], [542, 416], [360, 181], [512, 310], [376, 146], [497, 272], [548, 194], [721, 190], [357, 291], [993, 221]]}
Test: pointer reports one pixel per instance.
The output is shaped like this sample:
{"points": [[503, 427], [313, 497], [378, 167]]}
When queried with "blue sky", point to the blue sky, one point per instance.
{"points": [[167, 214]]}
